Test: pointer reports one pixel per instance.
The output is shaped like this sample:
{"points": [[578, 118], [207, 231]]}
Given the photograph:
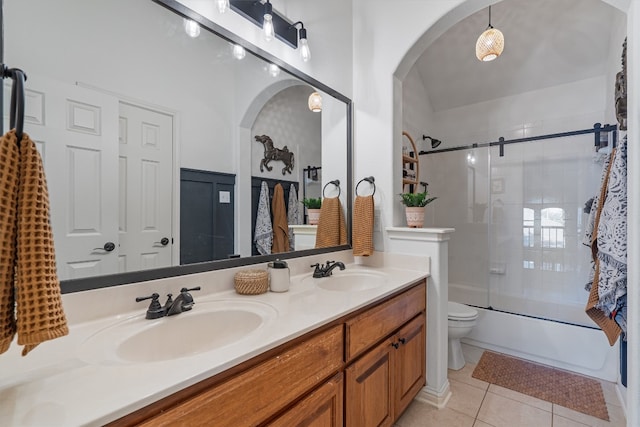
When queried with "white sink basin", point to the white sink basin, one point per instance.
{"points": [[208, 326], [350, 281]]}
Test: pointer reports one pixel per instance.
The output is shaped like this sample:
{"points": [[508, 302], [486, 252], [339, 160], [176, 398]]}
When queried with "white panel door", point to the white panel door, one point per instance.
{"points": [[146, 184], [76, 131]]}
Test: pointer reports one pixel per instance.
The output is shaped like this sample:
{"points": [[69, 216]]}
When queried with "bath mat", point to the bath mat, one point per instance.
{"points": [[560, 387]]}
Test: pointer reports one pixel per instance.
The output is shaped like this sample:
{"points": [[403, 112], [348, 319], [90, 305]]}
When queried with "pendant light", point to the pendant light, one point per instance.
{"points": [[490, 43], [315, 102]]}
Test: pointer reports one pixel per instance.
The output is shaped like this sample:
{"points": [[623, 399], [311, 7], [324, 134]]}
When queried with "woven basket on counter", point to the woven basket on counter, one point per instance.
{"points": [[251, 282]]}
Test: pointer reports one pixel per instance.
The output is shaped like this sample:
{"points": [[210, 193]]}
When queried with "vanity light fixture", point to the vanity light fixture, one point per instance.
{"points": [[223, 5], [239, 52], [305, 52], [490, 43], [261, 13], [191, 27], [315, 102], [267, 22]]}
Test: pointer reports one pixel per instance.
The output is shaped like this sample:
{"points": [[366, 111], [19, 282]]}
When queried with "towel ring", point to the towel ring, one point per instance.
{"points": [[335, 182], [371, 180]]}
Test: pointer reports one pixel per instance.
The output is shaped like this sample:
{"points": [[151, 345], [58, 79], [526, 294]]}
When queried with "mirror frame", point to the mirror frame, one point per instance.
{"points": [[96, 282]]}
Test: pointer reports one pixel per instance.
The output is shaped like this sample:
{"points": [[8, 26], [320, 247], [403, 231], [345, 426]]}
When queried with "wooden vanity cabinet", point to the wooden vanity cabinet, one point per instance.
{"points": [[305, 382], [253, 396], [382, 382]]}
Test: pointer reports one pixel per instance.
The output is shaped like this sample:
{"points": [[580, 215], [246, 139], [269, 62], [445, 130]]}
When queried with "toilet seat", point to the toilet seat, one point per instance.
{"points": [[458, 311]]}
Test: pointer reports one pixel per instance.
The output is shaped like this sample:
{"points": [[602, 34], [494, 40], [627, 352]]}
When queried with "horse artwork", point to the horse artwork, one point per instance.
{"points": [[273, 153]]}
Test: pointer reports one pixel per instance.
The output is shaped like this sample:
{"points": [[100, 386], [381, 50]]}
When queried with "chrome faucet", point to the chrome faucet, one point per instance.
{"points": [[325, 270], [183, 302]]}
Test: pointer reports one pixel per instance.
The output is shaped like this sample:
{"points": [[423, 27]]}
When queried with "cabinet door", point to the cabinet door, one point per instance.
{"points": [[369, 383], [322, 408], [409, 361]]}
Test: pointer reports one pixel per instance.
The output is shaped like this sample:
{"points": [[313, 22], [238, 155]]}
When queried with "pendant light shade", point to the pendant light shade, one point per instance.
{"points": [[490, 44], [315, 102]]}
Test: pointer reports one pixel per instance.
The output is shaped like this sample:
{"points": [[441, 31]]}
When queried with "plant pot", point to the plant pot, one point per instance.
{"points": [[415, 216], [313, 216]]}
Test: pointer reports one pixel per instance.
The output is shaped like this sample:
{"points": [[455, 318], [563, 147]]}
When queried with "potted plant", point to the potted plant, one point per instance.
{"points": [[313, 209], [414, 207]]}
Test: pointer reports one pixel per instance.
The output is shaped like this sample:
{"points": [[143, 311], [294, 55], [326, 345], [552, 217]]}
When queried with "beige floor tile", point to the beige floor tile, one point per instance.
{"points": [[464, 376], [479, 423], [522, 398], [559, 421], [420, 414], [465, 398], [616, 416], [500, 411]]}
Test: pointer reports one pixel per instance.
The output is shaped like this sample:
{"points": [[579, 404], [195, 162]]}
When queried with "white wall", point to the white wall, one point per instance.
{"points": [[573, 106]]}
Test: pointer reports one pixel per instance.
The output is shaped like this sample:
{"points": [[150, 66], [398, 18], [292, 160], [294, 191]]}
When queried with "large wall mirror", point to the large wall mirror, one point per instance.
{"points": [[148, 135]]}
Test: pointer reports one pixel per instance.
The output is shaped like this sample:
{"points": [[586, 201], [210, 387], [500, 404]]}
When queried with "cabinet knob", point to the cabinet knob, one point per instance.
{"points": [[402, 340], [395, 345]]}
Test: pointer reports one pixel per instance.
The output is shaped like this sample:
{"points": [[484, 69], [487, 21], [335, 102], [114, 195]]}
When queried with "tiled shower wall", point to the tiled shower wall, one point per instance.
{"points": [[520, 223]]}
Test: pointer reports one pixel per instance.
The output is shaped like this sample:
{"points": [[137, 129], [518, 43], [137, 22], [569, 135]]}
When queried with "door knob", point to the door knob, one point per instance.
{"points": [[108, 247], [164, 242]]}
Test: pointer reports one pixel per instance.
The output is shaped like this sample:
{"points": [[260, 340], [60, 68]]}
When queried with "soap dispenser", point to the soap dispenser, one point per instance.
{"points": [[279, 276]]}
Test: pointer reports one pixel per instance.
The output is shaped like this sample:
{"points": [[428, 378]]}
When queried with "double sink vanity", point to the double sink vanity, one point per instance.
{"points": [[322, 351]]}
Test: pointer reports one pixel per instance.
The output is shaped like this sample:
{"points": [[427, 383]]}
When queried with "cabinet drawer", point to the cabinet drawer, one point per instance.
{"points": [[366, 329], [256, 394], [323, 407]]}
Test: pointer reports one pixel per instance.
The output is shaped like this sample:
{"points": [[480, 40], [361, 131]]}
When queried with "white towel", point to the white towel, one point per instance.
{"points": [[293, 215], [263, 236]]}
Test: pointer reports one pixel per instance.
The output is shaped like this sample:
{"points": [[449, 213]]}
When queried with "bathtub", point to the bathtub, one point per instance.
{"points": [[571, 347]]}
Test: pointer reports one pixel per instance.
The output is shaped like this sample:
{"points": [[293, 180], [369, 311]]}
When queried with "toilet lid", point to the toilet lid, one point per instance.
{"points": [[461, 311]]}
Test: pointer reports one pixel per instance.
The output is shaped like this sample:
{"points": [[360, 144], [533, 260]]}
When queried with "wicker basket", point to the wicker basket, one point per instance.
{"points": [[251, 282]]}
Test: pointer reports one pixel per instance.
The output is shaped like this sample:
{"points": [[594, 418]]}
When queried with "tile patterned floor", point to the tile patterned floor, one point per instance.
{"points": [[475, 403]]}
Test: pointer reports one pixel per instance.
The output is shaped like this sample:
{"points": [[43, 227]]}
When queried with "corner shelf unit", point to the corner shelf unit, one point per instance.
{"points": [[411, 164]]}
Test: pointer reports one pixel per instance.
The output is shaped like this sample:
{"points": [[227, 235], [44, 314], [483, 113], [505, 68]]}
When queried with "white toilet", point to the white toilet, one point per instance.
{"points": [[462, 319]]}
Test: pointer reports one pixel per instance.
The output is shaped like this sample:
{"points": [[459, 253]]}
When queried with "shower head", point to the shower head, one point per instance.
{"points": [[435, 143]]}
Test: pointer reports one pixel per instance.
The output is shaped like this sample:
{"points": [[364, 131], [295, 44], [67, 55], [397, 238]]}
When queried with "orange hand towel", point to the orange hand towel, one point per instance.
{"points": [[280, 225], [332, 228], [363, 218], [9, 176], [35, 287]]}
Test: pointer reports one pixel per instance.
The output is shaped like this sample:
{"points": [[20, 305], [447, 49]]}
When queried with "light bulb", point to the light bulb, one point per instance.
{"points": [[223, 5], [191, 28], [238, 51], [471, 159], [274, 70], [305, 52], [267, 26]]}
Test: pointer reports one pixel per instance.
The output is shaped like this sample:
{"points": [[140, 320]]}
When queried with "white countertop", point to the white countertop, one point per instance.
{"points": [[57, 384]]}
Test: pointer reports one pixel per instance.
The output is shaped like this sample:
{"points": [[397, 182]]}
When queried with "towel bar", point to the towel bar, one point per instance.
{"points": [[371, 180]]}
